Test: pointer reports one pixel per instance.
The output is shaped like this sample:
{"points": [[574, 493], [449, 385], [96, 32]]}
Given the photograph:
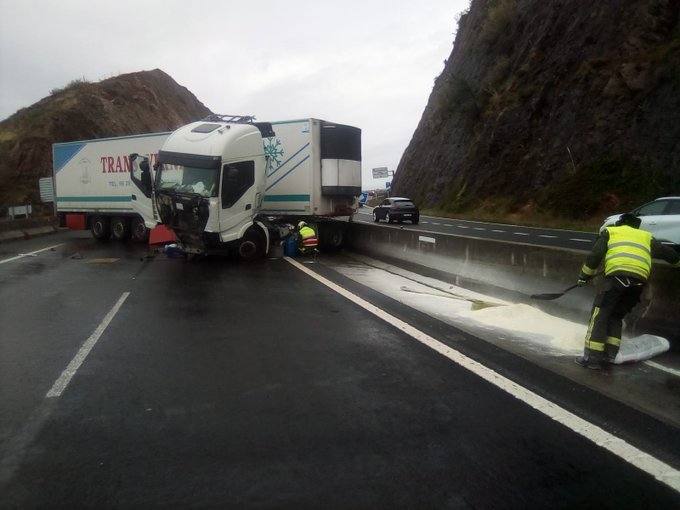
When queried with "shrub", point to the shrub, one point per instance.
{"points": [[498, 19]]}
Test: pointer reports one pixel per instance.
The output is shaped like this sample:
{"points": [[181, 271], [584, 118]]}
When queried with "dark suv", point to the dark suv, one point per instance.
{"points": [[396, 209]]}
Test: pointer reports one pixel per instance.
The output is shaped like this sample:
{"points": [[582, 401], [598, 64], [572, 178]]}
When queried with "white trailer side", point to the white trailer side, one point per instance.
{"points": [[92, 178], [309, 172]]}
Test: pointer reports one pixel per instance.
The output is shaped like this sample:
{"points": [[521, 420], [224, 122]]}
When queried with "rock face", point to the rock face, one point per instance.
{"points": [[564, 107], [142, 102]]}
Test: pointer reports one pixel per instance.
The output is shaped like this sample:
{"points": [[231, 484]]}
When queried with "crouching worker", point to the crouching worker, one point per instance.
{"points": [[627, 253], [308, 239]]}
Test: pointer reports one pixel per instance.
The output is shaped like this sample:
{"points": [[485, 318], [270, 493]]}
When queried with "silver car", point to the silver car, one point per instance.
{"points": [[661, 217]]}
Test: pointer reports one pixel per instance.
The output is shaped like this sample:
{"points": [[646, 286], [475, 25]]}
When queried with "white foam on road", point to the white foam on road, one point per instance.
{"points": [[513, 325], [29, 254], [62, 382], [643, 461]]}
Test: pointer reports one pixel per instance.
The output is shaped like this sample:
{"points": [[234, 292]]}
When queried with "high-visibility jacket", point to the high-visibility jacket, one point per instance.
{"points": [[307, 232], [629, 250]]}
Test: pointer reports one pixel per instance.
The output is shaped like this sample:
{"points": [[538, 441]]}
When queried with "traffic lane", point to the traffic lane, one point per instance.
{"points": [[514, 233], [51, 304], [240, 385]]}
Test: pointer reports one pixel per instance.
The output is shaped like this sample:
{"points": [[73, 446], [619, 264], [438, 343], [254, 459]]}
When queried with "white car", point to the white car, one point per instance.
{"points": [[661, 217]]}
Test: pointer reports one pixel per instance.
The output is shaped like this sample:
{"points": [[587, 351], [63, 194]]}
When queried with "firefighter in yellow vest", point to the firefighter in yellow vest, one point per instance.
{"points": [[627, 253], [308, 240]]}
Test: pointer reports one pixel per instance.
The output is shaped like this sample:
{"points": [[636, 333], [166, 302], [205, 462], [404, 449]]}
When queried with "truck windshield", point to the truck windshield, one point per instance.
{"points": [[186, 179]]}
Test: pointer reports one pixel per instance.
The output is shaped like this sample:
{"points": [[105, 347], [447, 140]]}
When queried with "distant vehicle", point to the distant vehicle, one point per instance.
{"points": [[363, 198], [396, 209], [661, 217]]}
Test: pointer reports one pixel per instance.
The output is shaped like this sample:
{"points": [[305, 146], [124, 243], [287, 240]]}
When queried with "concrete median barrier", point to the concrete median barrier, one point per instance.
{"points": [[516, 271]]}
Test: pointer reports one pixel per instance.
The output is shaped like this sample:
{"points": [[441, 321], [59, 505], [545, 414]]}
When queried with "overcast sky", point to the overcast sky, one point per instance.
{"points": [[367, 63]]}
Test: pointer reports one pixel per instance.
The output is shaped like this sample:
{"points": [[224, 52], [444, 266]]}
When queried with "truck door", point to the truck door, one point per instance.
{"points": [[142, 197], [240, 195]]}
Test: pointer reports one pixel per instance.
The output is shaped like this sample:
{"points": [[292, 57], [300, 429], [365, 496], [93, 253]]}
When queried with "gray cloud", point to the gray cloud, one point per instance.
{"points": [[366, 63]]}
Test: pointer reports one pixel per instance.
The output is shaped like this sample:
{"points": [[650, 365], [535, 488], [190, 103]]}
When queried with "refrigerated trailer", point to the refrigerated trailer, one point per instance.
{"points": [[93, 186], [230, 182]]}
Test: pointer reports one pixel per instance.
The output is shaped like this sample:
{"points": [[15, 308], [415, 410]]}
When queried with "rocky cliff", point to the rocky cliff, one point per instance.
{"points": [[142, 102], [568, 108]]}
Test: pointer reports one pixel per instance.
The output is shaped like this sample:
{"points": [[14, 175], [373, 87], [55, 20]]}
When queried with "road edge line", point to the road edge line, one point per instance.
{"points": [[662, 472]]}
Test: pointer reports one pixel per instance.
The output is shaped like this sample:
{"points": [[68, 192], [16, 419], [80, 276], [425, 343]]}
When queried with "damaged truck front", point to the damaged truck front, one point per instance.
{"points": [[208, 185]]}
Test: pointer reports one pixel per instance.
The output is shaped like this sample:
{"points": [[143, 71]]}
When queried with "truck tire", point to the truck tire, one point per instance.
{"points": [[251, 246], [332, 238], [100, 227], [138, 230], [120, 228]]}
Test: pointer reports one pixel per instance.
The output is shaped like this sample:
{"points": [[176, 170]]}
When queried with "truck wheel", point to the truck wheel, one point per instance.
{"points": [[333, 239], [120, 229], [139, 231], [101, 228], [251, 246]]}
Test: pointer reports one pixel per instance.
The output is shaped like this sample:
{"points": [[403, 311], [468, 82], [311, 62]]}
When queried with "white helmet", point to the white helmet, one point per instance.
{"points": [[302, 224]]}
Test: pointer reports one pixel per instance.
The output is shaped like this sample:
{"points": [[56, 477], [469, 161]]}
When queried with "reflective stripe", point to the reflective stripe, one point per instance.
{"points": [[612, 340], [628, 255], [587, 271], [629, 269], [630, 243], [594, 346], [596, 312]]}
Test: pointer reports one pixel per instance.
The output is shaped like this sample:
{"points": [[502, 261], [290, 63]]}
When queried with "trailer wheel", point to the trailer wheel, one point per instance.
{"points": [[251, 246], [120, 229], [101, 228], [333, 238], [138, 230]]}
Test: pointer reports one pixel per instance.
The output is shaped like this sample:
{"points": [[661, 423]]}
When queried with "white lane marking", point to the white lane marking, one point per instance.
{"points": [[659, 366], [60, 384], [462, 226], [425, 222], [547, 236], [479, 228], [663, 472], [449, 225], [521, 233], [22, 255], [497, 230], [581, 240], [435, 223]]}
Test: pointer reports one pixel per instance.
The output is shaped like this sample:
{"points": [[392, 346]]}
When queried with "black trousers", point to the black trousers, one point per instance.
{"points": [[618, 297]]}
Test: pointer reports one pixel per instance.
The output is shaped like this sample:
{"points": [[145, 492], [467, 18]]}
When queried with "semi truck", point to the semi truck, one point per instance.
{"points": [[224, 183]]}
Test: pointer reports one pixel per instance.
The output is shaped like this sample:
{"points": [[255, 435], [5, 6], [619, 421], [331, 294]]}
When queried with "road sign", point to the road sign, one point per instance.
{"points": [[388, 184], [46, 185], [380, 172]]}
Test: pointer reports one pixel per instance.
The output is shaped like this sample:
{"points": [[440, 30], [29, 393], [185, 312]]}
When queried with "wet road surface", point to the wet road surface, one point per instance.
{"points": [[218, 384]]}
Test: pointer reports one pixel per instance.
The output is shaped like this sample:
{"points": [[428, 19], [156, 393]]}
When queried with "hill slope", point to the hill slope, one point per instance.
{"points": [[142, 102], [529, 82]]}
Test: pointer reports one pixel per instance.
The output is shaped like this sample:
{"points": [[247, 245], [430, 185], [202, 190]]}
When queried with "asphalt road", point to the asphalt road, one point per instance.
{"points": [[572, 239], [217, 384]]}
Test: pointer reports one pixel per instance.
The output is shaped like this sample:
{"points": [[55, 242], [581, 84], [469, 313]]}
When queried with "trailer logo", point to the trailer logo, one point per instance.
{"points": [[273, 153]]}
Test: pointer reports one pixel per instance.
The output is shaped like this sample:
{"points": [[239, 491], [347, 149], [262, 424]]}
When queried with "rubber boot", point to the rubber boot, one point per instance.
{"points": [[589, 361]]}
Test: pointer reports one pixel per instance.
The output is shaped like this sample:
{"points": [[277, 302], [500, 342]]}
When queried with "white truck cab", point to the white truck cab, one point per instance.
{"points": [[213, 176]]}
